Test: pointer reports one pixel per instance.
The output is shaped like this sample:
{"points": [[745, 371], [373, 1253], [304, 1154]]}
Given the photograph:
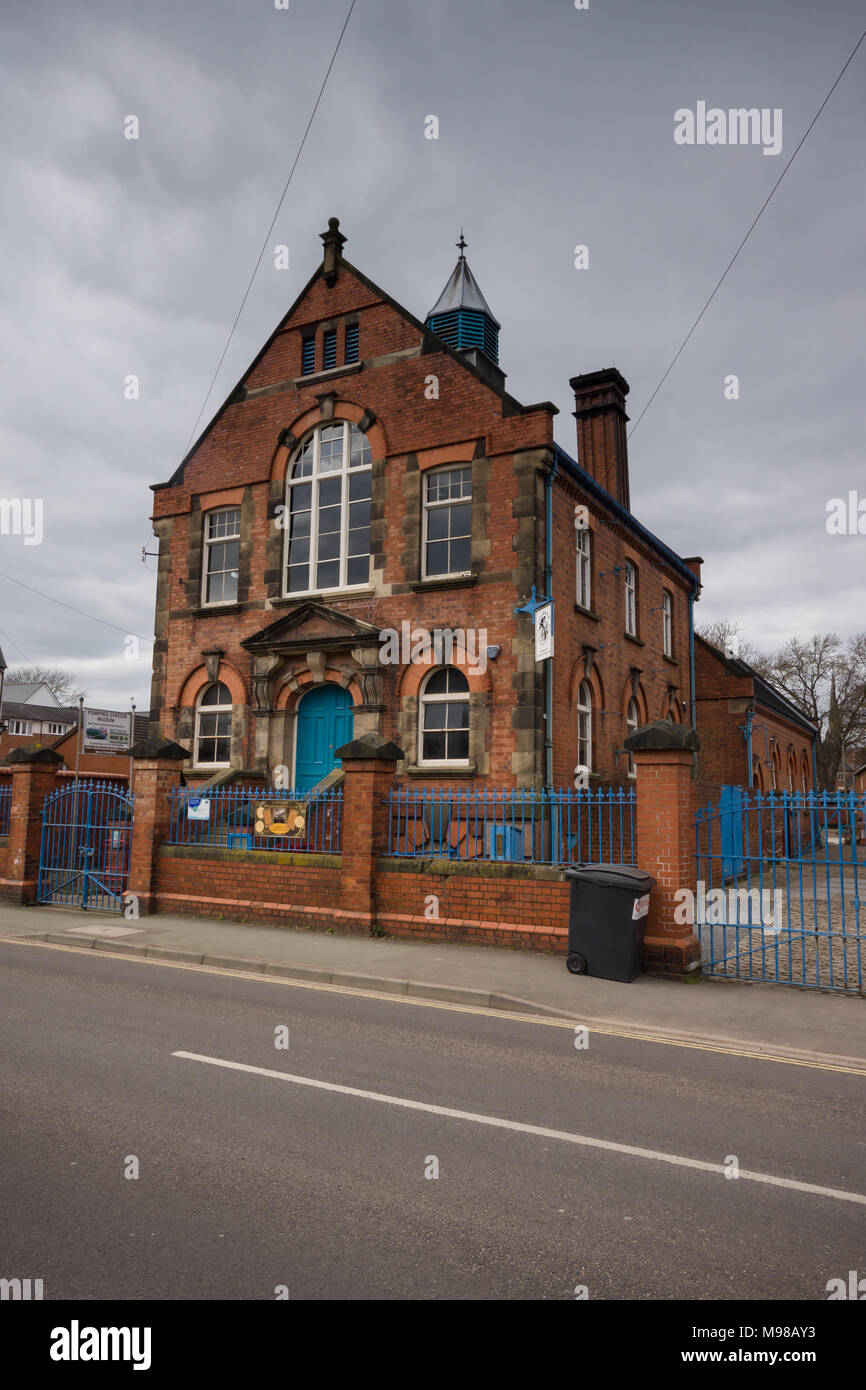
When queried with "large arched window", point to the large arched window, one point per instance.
{"points": [[584, 725], [213, 727], [327, 515], [444, 723], [632, 721]]}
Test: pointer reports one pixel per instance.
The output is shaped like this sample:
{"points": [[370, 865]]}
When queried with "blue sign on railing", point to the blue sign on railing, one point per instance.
{"points": [[257, 818]]}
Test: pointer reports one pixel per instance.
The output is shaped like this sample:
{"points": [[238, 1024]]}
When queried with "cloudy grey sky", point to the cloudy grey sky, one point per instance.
{"points": [[556, 128]]}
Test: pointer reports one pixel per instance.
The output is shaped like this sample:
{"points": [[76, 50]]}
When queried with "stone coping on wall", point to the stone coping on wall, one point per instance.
{"points": [[284, 859], [474, 868]]}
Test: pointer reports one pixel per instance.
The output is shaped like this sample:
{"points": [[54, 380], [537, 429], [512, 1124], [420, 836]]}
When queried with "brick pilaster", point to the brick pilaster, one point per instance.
{"points": [[664, 830], [156, 772], [368, 764], [34, 776]]}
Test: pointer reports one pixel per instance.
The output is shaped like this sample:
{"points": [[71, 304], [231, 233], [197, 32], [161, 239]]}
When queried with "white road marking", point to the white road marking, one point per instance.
{"points": [[584, 1140]]}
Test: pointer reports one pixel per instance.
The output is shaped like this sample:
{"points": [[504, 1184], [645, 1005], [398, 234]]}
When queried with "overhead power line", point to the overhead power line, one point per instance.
{"points": [[13, 643], [80, 611], [721, 279], [273, 222]]}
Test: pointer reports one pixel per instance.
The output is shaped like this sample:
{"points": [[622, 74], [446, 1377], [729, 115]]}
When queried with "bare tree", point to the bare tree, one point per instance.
{"points": [[826, 678], [725, 635], [64, 685]]}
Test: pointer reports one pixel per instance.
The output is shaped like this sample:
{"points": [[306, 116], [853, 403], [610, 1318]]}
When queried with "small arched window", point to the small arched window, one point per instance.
{"points": [[630, 599], [667, 623], [584, 725], [584, 569], [213, 727], [631, 723], [327, 511], [444, 723]]}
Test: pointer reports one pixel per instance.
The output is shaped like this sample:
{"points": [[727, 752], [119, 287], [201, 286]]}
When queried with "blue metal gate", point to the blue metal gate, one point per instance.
{"points": [[84, 852], [778, 892]]}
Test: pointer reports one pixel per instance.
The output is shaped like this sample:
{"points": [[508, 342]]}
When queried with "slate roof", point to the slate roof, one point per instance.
{"points": [[765, 692]]}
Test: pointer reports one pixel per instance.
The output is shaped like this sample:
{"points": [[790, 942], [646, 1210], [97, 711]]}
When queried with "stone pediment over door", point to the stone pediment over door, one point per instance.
{"points": [[310, 627]]}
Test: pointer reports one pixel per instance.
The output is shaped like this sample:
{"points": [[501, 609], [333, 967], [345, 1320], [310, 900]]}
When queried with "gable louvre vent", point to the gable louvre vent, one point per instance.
{"points": [[466, 328]]}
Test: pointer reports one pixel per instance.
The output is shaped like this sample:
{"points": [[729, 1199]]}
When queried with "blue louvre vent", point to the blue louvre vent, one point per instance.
{"points": [[352, 342], [329, 349], [467, 328], [308, 355]]}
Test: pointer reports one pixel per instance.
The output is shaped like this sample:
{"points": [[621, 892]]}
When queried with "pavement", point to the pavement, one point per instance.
{"points": [[762, 1018]]}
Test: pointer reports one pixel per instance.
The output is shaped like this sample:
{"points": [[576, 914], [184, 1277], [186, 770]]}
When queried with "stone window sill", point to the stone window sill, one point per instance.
{"points": [[332, 595], [423, 770], [328, 375], [463, 581], [215, 610], [587, 612], [629, 637]]}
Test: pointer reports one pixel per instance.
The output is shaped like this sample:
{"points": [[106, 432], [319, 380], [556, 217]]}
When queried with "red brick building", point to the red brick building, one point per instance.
{"points": [[751, 735], [371, 481]]}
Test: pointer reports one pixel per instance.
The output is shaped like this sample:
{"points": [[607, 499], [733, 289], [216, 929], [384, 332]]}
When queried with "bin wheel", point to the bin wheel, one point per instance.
{"points": [[576, 963]]}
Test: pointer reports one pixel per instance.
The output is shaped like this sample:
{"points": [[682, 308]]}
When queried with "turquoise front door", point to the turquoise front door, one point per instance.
{"points": [[325, 720]]}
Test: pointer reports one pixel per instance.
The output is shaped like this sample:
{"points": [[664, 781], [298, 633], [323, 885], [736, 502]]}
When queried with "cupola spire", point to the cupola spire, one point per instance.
{"points": [[463, 319]]}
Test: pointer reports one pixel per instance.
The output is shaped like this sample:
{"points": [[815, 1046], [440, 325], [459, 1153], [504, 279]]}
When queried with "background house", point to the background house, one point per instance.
{"points": [[30, 713]]}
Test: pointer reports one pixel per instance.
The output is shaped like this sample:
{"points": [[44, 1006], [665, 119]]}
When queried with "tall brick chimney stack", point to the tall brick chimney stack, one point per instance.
{"points": [[602, 451]]}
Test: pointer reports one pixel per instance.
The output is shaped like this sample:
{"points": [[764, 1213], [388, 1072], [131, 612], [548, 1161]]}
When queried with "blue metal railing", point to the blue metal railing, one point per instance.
{"points": [[530, 827], [257, 818], [5, 806], [779, 883]]}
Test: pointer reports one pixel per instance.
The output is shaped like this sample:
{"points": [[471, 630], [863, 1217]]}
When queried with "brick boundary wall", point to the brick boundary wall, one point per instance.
{"points": [[362, 889], [482, 903], [285, 888]]}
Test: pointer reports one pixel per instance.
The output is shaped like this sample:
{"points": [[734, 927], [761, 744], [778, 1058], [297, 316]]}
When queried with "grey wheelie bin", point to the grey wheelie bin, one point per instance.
{"points": [[607, 919]]}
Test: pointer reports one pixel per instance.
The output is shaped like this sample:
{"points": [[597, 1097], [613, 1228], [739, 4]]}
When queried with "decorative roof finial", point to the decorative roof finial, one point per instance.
{"points": [[333, 242], [461, 245]]}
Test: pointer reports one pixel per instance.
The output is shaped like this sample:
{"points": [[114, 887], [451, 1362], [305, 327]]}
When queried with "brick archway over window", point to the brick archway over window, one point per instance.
{"points": [[198, 680], [343, 410]]}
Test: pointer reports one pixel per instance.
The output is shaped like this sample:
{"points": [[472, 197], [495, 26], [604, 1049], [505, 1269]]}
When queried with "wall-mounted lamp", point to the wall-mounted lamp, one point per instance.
{"points": [[493, 652]]}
